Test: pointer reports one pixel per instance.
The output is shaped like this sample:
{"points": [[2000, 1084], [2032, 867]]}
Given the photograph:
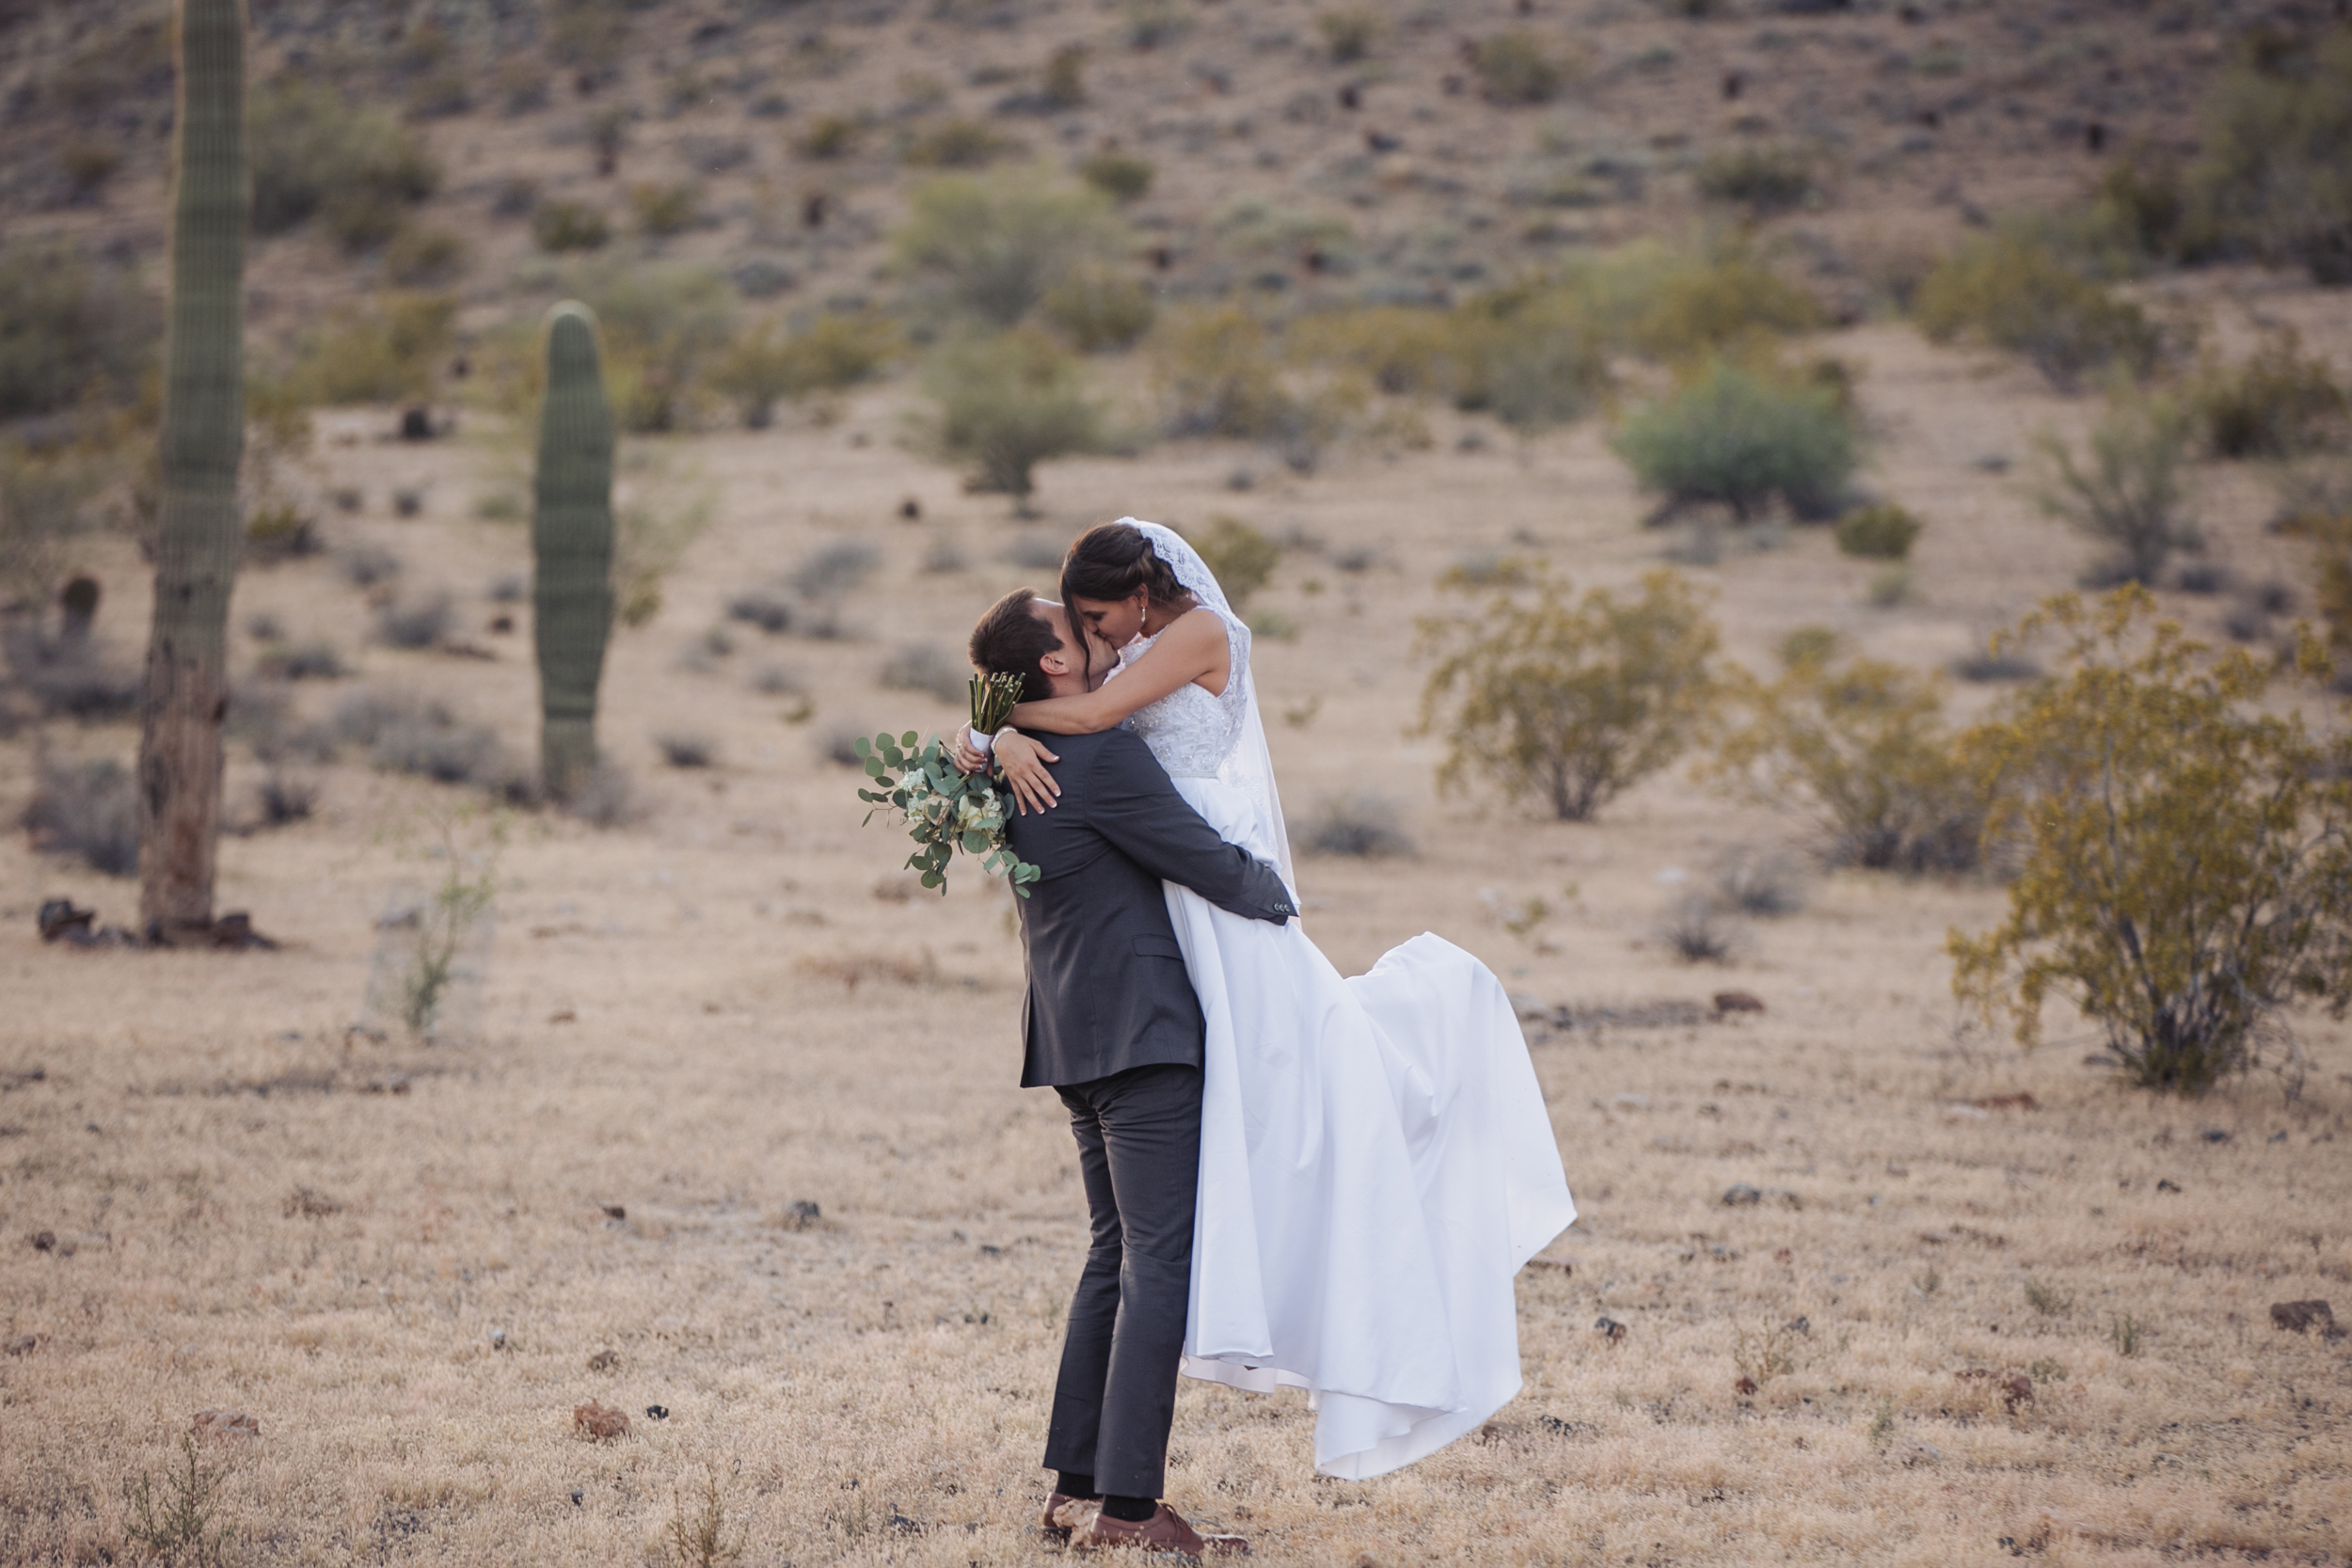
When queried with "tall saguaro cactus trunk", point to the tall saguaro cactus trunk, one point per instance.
{"points": [[571, 540], [203, 436]]}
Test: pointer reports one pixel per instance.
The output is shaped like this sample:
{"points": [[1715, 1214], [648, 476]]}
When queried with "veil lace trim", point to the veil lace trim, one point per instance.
{"points": [[1248, 767]]}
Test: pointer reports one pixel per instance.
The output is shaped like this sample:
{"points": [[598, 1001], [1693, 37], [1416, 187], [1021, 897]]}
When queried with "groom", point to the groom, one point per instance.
{"points": [[1111, 1022]]}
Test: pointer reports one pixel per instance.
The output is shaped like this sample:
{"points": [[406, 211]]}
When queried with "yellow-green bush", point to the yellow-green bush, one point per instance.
{"points": [[420, 254], [1348, 32], [387, 350], [2016, 291], [1880, 531], [1764, 180], [310, 150], [832, 137], [1861, 747], [2133, 491], [662, 210], [1403, 349], [1097, 310], [2186, 842], [763, 366], [1727, 302], [1516, 69], [1007, 404], [70, 330], [1569, 702], [559, 225], [1217, 370], [990, 247], [957, 144], [2275, 177], [1242, 557], [2278, 402], [1121, 176]]}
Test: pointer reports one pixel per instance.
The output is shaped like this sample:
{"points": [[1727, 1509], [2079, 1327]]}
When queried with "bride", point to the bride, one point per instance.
{"points": [[1376, 1163]]}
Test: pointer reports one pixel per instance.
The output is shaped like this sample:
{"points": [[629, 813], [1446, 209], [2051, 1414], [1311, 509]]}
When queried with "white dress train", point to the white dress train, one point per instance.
{"points": [[1376, 1161]]}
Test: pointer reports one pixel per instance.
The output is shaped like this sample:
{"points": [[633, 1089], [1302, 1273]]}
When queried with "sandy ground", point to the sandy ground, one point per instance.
{"points": [[398, 1259]]}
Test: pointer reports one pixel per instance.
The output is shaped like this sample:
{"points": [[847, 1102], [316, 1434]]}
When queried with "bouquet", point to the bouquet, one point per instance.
{"points": [[945, 810]]}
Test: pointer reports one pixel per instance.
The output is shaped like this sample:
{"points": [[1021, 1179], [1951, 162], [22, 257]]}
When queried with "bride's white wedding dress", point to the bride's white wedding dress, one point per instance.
{"points": [[1376, 1161]]}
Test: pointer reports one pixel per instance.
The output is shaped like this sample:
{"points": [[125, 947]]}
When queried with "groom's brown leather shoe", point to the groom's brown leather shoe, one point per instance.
{"points": [[1055, 1526], [1165, 1532]]}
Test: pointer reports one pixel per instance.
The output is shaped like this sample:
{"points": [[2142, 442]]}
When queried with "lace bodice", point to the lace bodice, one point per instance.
{"points": [[1191, 730]]}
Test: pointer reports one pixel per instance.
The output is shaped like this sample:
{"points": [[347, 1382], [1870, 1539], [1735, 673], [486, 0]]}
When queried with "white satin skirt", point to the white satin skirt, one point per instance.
{"points": [[1376, 1164]]}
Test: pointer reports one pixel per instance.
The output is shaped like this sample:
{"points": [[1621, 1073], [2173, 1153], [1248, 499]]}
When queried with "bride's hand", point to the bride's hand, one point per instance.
{"points": [[1023, 762], [960, 752]]}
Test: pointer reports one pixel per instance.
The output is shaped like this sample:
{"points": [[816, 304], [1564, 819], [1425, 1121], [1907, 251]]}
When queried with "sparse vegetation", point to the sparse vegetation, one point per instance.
{"points": [[2275, 178], [312, 152], [1861, 747], [560, 226], [71, 328], [662, 211], [1348, 32], [989, 247], [1763, 179], [2186, 848], [1097, 310], [2132, 493], [769, 365], [1741, 438], [1516, 69], [1880, 531], [1243, 557], [927, 667], [388, 350], [87, 809], [2047, 1300], [1366, 825], [1697, 930], [1121, 176], [959, 144], [1570, 703], [1007, 404], [2277, 403], [686, 747], [173, 1517], [2015, 291]]}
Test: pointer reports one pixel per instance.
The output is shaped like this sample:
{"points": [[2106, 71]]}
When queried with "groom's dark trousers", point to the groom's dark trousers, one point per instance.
{"points": [[1111, 1022]]}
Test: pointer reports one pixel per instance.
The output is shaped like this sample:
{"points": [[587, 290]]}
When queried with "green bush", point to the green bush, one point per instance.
{"points": [[1698, 306], [2133, 492], [560, 226], [1007, 404], [1880, 531], [1243, 557], [1737, 437], [763, 366], [2016, 291], [1218, 373], [2275, 403], [959, 144], [1570, 703], [70, 330], [386, 350], [1097, 310], [1861, 749], [1764, 180], [990, 247], [1516, 69], [310, 152], [832, 137], [662, 211], [1348, 32], [2275, 178], [1409, 350], [2185, 871], [1121, 176], [1065, 83]]}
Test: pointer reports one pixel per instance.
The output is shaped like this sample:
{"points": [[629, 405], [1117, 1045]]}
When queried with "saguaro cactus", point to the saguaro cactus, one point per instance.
{"points": [[571, 539], [203, 437]]}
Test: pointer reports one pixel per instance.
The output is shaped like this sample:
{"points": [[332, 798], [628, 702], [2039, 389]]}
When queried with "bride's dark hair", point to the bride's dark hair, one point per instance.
{"points": [[1110, 562]]}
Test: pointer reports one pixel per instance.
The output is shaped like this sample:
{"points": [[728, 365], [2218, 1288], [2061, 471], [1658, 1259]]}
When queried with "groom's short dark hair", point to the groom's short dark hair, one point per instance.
{"points": [[1012, 638]]}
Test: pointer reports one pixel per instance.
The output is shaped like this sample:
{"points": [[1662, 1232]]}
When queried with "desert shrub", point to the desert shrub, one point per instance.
{"points": [[765, 366], [1698, 306], [1571, 702], [386, 350], [1406, 350], [2015, 291], [1366, 825], [310, 152], [2132, 492], [1516, 69], [925, 667], [283, 799], [2275, 178], [1696, 929], [959, 144], [1764, 883], [1880, 531], [1220, 374], [989, 247], [832, 137], [2278, 402], [88, 163], [1530, 358], [662, 210], [69, 328], [1121, 176], [172, 1516], [686, 747], [662, 325], [1007, 404], [1149, 23], [88, 810], [1764, 180], [1064, 84], [1861, 747], [560, 226], [420, 254], [1738, 438], [1097, 310], [2187, 846], [1035, 552], [48, 501], [314, 660], [1243, 557], [1348, 32], [771, 612], [403, 735], [2142, 205], [420, 622]]}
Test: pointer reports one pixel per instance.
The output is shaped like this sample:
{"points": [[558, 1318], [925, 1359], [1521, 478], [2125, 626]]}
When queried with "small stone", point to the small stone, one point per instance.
{"points": [[616, 1211], [43, 1241], [24, 1344], [1737, 1002], [658, 1412], [1610, 1330], [801, 1214], [498, 1338], [1745, 1386], [605, 1361], [2167, 1185], [600, 1422], [2016, 1390], [2302, 1316], [578, 1494], [226, 1423], [2216, 1134], [1739, 1195]]}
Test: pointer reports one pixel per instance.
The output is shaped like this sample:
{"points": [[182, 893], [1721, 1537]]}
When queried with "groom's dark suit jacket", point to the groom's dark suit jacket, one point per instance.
{"points": [[1108, 989]]}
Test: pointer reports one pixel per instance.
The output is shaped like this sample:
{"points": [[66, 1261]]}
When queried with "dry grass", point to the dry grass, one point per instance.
{"points": [[701, 1020]]}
